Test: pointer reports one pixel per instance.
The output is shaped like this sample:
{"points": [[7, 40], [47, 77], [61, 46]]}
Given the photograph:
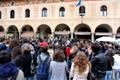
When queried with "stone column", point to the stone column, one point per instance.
{"points": [[34, 35], [71, 35], [92, 37], [19, 35], [5, 34], [114, 35]]}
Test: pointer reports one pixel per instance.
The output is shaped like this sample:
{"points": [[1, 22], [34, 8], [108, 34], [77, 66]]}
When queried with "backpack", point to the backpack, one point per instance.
{"points": [[13, 77], [42, 70], [32, 66]]}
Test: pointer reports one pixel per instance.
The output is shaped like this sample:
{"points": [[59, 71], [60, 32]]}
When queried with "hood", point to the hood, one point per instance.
{"points": [[7, 69]]}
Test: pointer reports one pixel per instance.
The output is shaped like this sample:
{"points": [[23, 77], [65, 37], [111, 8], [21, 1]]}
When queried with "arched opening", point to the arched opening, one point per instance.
{"points": [[27, 31], [82, 31], [62, 31], [103, 30], [44, 32], [12, 32]]}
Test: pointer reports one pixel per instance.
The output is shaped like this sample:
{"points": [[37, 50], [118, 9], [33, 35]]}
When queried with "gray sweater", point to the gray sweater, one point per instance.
{"points": [[58, 70]]}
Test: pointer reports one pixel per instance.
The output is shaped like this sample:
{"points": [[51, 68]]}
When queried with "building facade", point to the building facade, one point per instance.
{"points": [[43, 18]]}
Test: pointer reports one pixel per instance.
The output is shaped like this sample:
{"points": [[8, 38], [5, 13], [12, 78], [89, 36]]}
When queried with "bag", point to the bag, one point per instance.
{"points": [[42, 70], [32, 66], [13, 77], [91, 76]]}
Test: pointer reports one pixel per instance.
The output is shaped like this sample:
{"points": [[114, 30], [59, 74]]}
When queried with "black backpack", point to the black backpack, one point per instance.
{"points": [[13, 77], [42, 70]]}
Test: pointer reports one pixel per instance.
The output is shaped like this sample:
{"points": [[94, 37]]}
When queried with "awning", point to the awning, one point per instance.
{"points": [[2, 34], [62, 32], [103, 34], [82, 33], [27, 34]]}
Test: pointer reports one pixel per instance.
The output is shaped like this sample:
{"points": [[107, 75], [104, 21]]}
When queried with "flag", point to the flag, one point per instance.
{"points": [[78, 3]]}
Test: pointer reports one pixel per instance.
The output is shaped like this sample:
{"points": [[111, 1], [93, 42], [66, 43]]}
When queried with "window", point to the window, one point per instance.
{"points": [[103, 10], [0, 15], [82, 11], [44, 12], [12, 3], [27, 13], [62, 12], [12, 14]]}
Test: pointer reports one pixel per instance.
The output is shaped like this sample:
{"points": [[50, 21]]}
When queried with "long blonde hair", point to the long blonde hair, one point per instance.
{"points": [[81, 61]]}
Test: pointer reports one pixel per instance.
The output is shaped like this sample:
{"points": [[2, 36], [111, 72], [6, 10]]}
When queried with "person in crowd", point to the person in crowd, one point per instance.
{"points": [[73, 51], [25, 62], [44, 55], [58, 67], [110, 63], [26, 42], [15, 55], [80, 67], [3, 44], [8, 69], [13, 43], [116, 66], [98, 62]]}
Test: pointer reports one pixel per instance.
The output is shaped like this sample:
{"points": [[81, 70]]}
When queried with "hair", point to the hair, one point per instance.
{"points": [[13, 43], [59, 56], [109, 55], [25, 49], [4, 57], [44, 49], [80, 61], [3, 39], [74, 49], [16, 51], [95, 47]]}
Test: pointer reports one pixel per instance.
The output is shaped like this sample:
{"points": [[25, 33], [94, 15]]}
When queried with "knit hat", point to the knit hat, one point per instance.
{"points": [[43, 44]]}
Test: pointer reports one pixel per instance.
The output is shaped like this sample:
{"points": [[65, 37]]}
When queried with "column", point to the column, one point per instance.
{"points": [[34, 35], [71, 35], [19, 35], [92, 37], [53, 34], [114, 35], [5, 35]]}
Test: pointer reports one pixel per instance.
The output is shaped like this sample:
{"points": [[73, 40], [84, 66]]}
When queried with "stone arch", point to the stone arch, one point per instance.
{"points": [[82, 31], [103, 30], [62, 30], [12, 32], [43, 31], [27, 31]]}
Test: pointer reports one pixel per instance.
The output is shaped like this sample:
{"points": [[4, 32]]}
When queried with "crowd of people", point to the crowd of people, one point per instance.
{"points": [[38, 59]]}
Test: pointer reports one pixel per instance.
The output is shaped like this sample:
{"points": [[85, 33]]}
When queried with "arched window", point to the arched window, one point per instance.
{"points": [[44, 12], [12, 14], [103, 10], [82, 11], [0, 14], [12, 3], [27, 13], [62, 12]]}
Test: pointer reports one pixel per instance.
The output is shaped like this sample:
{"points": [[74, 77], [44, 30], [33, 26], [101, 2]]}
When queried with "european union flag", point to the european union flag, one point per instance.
{"points": [[78, 3]]}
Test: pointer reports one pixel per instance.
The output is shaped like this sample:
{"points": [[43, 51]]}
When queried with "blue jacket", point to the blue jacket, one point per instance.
{"points": [[7, 69]]}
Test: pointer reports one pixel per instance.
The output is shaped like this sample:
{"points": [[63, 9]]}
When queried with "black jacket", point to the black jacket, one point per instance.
{"points": [[99, 65]]}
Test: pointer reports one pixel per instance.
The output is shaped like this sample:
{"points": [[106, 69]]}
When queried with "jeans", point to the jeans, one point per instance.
{"points": [[29, 78], [108, 75], [116, 73]]}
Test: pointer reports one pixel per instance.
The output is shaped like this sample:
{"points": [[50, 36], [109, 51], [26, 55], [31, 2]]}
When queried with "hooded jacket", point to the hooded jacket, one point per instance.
{"points": [[7, 69]]}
